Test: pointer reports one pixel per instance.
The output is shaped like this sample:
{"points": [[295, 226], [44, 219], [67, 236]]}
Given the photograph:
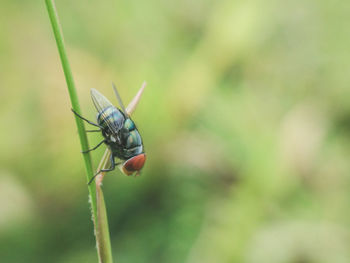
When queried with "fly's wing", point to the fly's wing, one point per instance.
{"points": [[106, 108], [119, 99]]}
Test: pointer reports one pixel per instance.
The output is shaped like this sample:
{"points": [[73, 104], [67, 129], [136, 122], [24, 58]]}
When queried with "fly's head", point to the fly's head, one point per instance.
{"points": [[134, 164]]}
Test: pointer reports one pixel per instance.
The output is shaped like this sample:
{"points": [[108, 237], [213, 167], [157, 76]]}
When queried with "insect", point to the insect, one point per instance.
{"points": [[120, 134]]}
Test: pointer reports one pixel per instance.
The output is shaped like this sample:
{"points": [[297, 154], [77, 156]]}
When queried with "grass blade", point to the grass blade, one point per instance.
{"points": [[102, 230], [98, 212]]}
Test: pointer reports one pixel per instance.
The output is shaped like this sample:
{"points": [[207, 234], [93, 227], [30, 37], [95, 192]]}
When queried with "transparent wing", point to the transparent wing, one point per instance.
{"points": [[106, 108], [119, 98]]}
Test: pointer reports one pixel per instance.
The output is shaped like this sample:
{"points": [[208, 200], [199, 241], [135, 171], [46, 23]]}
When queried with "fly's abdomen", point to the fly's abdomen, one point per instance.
{"points": [[131, 139], [133, 144], [131, 136]]}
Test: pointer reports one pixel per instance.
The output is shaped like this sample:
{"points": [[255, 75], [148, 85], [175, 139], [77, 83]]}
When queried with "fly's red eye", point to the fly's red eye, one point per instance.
{"points": [[134, 164]]}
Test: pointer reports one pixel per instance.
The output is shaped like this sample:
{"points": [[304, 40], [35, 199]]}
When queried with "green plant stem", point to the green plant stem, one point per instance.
{"points": [[73, 97], [99, 221]]}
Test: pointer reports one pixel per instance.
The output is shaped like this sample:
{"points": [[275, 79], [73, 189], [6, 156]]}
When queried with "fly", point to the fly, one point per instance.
{"points": [[120, 134]]}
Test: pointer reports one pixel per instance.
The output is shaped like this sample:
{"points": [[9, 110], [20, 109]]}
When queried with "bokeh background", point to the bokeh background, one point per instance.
{"points": [[245, 121]]}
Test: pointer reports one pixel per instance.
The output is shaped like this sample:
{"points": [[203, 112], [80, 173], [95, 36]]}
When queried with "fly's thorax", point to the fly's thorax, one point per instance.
{"points": [[111, 138], [111, 118]]}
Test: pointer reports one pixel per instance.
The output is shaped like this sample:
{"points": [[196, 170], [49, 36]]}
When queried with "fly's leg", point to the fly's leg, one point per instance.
{"points": [[92, 179], [113, 164], [110, 168], [90, 122], [94, 147]]}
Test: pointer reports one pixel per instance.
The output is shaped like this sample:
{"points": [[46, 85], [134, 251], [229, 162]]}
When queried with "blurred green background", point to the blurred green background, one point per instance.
{"points": [[245, 121]]}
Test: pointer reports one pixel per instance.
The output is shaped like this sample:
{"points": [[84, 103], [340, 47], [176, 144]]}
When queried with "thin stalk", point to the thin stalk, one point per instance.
{"points": [[102, 231], [98, 220]]}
